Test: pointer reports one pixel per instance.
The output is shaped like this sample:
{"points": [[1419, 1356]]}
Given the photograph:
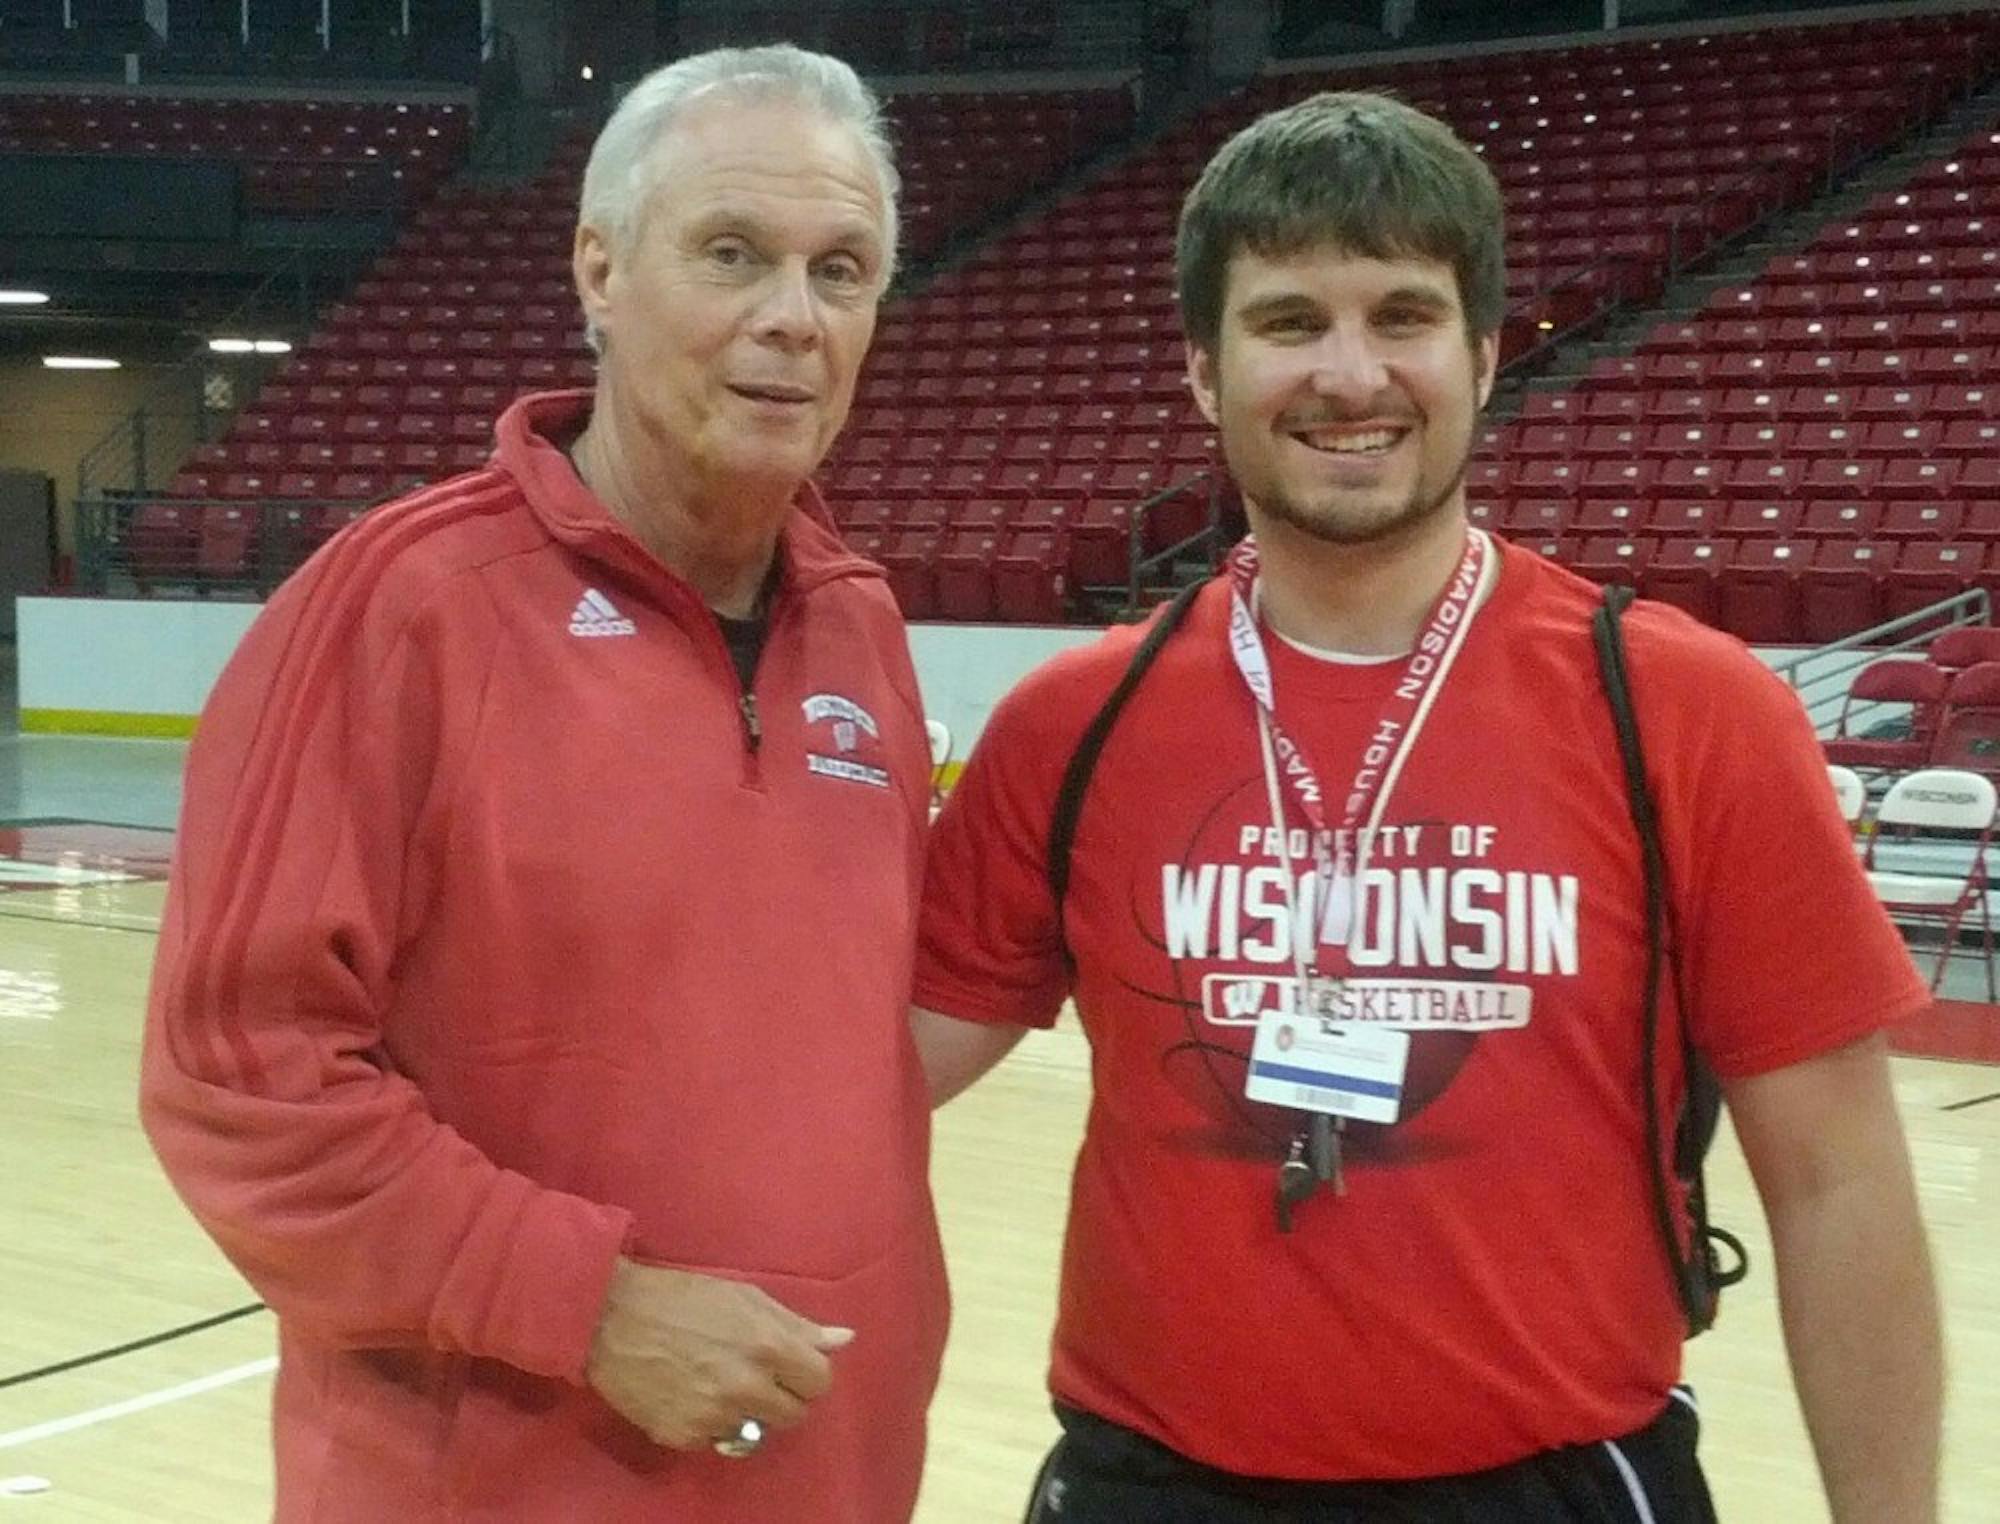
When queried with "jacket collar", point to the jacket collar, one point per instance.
{"points": [[810, 550]]}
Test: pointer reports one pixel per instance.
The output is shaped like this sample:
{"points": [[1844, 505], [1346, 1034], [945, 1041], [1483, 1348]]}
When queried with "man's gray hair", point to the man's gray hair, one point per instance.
{"points": [[619, 176]]}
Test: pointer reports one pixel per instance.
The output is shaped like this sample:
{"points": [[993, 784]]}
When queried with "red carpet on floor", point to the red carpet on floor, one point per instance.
{"points": [[1967, 1030]]}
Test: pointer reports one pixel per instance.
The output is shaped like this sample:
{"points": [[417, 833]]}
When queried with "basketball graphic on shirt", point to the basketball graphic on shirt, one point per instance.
{"points": [[1220, 923]]}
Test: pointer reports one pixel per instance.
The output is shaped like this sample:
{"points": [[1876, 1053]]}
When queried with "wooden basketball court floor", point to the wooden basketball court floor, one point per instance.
{"points": [[96, 1253]]}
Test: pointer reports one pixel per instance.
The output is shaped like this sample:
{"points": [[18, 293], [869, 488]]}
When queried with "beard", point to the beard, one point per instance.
{"points": [[1334, 527]]}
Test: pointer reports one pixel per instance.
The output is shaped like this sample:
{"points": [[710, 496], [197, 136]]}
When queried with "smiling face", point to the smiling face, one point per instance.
{"points": [[736, 311], [1345, 390]]}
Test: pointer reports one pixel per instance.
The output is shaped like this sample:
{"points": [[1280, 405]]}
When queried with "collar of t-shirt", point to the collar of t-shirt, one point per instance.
{"points": [[1307, 677], [745, 639]]}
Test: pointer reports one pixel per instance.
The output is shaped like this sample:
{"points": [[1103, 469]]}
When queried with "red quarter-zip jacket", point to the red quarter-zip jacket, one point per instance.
{"points": [[503, 938]]}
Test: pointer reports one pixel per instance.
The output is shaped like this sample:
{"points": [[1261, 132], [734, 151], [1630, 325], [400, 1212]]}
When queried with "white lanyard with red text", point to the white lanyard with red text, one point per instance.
{"points": [[1390, 741], [1297, 1061]]}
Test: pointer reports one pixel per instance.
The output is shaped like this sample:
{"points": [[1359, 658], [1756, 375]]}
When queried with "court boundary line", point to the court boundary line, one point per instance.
{"points": [[130, 1405], [42, 916], [132, 1346], [29, 822]]}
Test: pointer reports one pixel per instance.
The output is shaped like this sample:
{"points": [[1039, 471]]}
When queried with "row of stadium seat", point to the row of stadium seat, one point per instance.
{"points": [[297, 155], [1963, 314], [1904, 476], [1748, 518], [1899, 436], [1614, 394], [1781, 592]]}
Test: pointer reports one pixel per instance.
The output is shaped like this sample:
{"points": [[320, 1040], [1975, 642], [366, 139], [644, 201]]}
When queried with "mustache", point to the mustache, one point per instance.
{"points": [[1341, 420]]}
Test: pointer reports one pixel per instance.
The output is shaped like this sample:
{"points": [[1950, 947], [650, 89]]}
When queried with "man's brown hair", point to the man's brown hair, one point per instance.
{"points": [[1358, 172]]}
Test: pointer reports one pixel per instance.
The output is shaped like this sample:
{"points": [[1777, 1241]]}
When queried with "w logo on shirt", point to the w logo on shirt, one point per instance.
{"points": [[594, 615]]}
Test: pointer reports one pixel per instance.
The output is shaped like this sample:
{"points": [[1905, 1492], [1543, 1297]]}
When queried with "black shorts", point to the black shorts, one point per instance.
{"points": [[1102, 1473]]}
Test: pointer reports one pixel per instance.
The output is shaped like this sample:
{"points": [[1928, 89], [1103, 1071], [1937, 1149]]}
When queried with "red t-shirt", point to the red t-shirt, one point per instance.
{"points": [[1491, 1283]]}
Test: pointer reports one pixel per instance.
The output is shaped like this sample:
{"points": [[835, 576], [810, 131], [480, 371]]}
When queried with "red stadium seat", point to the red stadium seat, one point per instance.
{"points": [[1548, 478], [1028, 578], [964, 575], [1608, 559], [1099, 543], [1758, 518], [1839, 518], [227, 543], [1842, 588], [909, 557], [1620, 518], [1619, 478], [1685, 516], [1759, 594], [1830, 476], [1919, 478], [1691, 478], [1917, 519], [1840, 440], [1621, 442], [1683, 572], [1683, 439], [1766, 478], [1761, 440], [1927, 572], [1539, 517], [1970, 437], [159, 541]]}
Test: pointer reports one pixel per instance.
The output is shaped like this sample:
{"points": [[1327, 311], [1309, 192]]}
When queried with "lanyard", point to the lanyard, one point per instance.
{"points": [[1339, 860]]}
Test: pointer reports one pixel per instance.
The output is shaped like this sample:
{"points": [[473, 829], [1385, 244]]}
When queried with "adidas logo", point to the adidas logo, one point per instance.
{"points": [[595, 615]]}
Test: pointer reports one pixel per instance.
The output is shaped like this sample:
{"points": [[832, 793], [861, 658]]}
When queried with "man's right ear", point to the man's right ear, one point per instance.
{"points": [[590, 268], [1202, 381]]}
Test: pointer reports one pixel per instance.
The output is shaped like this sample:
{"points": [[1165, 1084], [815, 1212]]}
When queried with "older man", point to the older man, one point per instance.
{"points": [[527, 1025]]}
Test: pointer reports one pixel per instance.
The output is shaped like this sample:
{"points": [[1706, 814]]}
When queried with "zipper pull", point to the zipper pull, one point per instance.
{"points": [[753, 732]]}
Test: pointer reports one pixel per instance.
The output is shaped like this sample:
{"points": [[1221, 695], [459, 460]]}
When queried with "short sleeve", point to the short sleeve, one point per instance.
{"points": [[988, 946], [1785, 949]]}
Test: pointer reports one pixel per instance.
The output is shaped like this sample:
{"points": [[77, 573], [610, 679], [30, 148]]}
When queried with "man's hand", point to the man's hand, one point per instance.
{"points": [[688, 1357]]}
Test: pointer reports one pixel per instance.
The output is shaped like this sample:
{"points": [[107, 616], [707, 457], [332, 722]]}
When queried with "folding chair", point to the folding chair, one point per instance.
{"points": [[939, 734], [1946, 805], [1965, 646], [1849, 791], [1968, 735], [1892, 680]]}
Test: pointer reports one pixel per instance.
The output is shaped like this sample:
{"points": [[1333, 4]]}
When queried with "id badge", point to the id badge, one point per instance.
{"points": [[1349, 1071]]}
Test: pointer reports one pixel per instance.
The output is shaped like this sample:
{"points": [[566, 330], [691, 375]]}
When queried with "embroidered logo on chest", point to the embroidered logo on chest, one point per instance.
{"points": [[847, 724], [595, 616]]}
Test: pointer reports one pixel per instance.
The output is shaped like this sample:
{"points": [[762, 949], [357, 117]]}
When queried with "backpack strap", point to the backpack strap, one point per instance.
{"points": [[1699, 1272], [1083, 761]]}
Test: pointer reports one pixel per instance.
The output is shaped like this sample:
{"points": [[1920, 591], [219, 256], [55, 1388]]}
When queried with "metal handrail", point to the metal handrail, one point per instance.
{"points": [[1821, 678], [126, 453], [1138, 564], [112, 547]]}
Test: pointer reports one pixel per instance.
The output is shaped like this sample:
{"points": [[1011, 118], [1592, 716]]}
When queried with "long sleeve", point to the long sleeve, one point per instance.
{"points": [[318, 795]]}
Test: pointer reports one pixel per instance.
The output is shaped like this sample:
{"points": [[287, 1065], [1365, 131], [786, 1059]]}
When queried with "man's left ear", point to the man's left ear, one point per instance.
{"points": [[1489, 362]]}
